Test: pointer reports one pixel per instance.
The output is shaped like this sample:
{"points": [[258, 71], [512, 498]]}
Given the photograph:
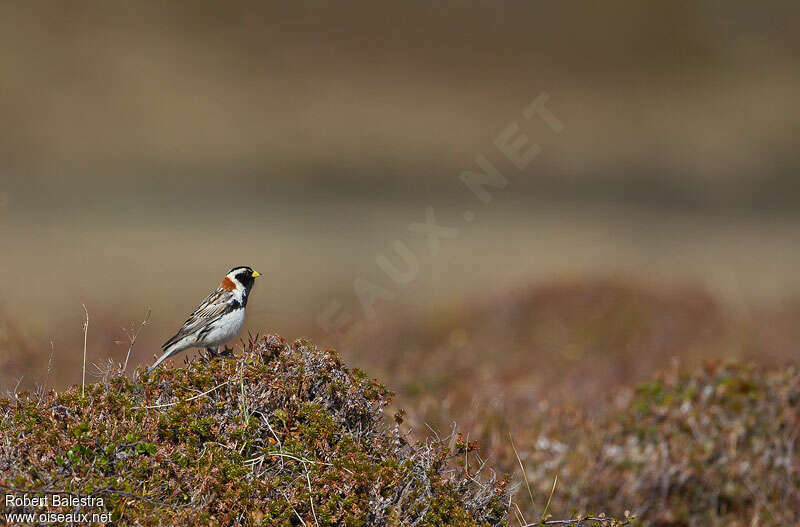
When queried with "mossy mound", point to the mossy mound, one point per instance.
{"points": [[281, 435], [715, 447]]}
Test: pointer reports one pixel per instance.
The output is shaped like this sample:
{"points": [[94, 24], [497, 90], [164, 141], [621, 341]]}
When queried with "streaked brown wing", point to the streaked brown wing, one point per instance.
{"points": [[215, 304]]}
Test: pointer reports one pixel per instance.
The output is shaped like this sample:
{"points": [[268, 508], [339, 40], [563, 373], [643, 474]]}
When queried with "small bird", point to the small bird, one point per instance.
{"points": [[217, 320]]}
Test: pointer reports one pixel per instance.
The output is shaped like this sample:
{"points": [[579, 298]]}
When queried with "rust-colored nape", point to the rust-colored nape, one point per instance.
{"points": [[227, 284]]}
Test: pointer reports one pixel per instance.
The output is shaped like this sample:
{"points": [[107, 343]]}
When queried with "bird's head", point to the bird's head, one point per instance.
{"points": [[239, 278]]}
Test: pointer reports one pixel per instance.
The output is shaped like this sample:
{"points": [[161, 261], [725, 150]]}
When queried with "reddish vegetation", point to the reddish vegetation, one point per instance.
{"points": [[584, 343], [713, 448], [557, 367], [279, 436], [516, 365]]}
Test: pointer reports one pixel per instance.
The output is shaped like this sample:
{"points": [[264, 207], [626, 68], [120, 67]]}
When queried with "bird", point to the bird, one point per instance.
{"points": [[217, 320]]}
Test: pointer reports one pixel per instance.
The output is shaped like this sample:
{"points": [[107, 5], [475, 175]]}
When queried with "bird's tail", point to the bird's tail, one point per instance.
{"points": [[169, 349]]}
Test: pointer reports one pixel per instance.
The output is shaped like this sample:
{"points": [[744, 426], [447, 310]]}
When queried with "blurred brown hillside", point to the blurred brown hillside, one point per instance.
{"points": [[670, 102]]}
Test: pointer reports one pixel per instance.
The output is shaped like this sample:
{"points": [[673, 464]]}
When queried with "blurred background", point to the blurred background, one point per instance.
{"points": [[149, 147]]}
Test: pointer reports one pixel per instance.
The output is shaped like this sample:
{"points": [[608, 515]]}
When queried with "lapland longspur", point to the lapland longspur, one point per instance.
{"points": [[217, 320]]}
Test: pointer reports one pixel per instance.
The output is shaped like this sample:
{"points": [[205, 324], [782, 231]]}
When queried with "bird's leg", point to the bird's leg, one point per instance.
{"points": [[209, 353]]}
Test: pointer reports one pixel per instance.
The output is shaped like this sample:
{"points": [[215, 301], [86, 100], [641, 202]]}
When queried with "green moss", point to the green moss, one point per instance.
{"points": [[277, 434]]}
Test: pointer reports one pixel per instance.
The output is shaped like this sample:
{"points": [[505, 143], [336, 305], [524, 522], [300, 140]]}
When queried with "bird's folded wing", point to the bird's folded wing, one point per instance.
{"points": [[214, 306]]}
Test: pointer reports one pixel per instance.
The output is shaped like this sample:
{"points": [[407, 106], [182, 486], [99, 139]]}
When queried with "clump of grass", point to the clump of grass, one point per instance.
{"points": [[715, 447], [280, 435]]}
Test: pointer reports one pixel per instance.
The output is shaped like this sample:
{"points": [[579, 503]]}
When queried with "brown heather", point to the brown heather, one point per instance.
{"points": [[281, 435], [287, 435], [717, 447], [557, 367]]}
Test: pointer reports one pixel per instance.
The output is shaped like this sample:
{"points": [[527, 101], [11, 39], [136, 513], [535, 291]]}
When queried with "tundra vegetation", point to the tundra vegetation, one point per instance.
{"points": [[279, 435], [658, 407]]}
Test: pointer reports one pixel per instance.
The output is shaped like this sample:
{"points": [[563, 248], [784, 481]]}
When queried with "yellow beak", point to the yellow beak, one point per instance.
{"points": [[256, 274]]}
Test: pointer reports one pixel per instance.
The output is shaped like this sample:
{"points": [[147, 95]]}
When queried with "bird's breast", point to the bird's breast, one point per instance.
{"points": [[224, 328]]}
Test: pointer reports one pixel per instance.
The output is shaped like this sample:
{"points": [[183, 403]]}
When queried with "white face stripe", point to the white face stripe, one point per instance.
{"points": [[236, 270]]}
